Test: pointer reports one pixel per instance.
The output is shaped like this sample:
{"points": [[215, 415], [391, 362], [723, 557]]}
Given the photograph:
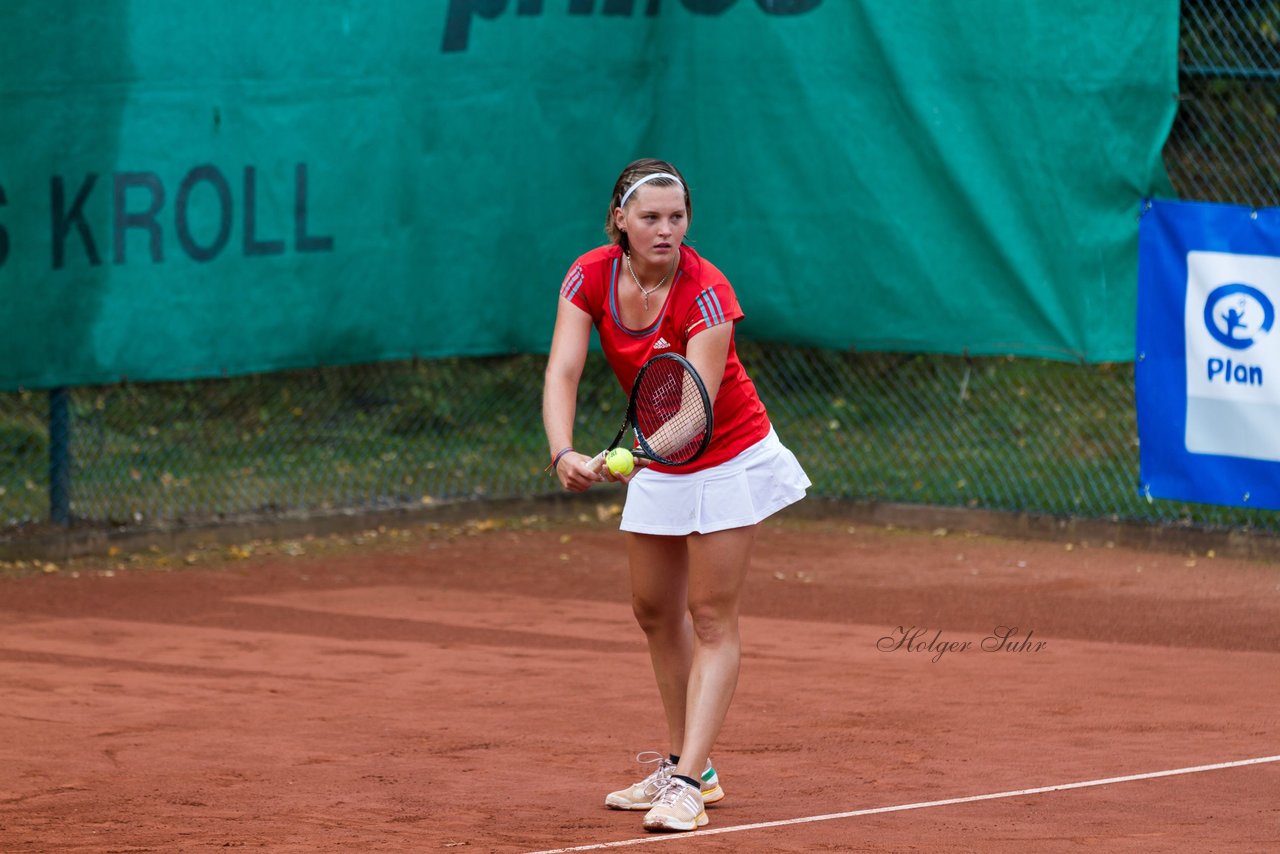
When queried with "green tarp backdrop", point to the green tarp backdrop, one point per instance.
{"points": [[212, 188]]}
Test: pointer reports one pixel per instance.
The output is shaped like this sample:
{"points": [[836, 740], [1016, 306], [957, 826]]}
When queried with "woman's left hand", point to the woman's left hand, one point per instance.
{"points": [[598, 460]]}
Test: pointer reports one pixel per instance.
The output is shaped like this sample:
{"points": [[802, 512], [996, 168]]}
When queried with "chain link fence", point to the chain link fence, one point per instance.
{"points": [[1005, 434], [1225, 144]]}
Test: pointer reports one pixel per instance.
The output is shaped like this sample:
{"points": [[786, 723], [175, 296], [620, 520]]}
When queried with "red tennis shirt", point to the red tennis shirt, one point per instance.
{"points": [[700, 299]]}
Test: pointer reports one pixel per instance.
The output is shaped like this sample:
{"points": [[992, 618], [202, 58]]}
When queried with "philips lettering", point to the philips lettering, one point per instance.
{"points": [[461, 13]]}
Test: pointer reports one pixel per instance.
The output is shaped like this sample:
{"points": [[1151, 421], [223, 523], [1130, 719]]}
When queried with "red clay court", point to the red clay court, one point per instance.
{"points": [[481, 687]]}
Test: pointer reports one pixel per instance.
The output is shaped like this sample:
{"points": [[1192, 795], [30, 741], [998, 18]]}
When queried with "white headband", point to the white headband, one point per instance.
{"points": [[650, 177]]}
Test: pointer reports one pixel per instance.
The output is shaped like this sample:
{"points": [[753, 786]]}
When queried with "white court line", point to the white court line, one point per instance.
{"points": [[922, 805]]}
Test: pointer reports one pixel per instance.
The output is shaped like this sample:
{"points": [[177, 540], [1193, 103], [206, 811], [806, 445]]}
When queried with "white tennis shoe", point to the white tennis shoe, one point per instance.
{"points": [[641, 795], [678, 807]]}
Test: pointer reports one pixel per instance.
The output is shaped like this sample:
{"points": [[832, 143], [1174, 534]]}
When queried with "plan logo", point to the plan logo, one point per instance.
{"points": [[1232, 354], [1235, 314]]}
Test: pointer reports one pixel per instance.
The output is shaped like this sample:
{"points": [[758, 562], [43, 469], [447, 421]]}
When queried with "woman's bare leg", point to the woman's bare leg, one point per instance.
{"points": [[717, 567], [659, 598]]}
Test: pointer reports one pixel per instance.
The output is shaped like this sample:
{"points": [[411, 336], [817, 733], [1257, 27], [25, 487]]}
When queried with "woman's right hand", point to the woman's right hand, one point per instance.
{"points": [[578, 472]]}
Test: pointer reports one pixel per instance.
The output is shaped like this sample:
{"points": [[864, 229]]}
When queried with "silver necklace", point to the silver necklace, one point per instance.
{"points": [[636, 279]]}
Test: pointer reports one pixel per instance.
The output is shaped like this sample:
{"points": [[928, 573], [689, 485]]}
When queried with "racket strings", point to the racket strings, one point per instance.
{"points": [[671, 416]]}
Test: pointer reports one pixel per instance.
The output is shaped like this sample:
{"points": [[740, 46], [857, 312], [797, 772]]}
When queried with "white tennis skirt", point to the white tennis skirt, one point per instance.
{"points": [[742, 491]]}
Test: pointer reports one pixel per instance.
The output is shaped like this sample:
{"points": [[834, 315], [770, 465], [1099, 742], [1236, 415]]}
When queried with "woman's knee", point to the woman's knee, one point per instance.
{"points": [[714, 622], [657, 615]]}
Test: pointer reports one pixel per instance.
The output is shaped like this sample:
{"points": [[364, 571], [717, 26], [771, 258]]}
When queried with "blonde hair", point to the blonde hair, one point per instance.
{"points": [[630, 175]]}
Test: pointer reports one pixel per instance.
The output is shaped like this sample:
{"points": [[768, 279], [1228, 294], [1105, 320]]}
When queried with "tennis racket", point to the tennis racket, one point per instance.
{"points": [[669, 410]]}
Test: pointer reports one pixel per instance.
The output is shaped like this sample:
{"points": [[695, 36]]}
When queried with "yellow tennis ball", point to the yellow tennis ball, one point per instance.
{"points": [[620, 462]]}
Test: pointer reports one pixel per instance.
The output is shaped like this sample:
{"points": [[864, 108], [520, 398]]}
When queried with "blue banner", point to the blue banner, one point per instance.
{"points": [[1208, 353]]}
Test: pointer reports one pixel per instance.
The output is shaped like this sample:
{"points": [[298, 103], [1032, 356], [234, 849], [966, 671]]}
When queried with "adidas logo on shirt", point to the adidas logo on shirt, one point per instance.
{"points": [[661, 343]]}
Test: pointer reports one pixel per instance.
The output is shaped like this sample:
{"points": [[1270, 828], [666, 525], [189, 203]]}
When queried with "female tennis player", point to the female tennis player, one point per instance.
{"points": [[690, 529]]}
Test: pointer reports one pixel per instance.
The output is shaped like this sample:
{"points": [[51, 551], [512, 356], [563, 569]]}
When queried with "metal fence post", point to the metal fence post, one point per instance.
{"points": [[59, 456]]}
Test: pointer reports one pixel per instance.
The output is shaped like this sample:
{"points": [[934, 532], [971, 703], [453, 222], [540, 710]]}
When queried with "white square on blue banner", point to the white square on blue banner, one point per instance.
{"points": [[1233, 355]]}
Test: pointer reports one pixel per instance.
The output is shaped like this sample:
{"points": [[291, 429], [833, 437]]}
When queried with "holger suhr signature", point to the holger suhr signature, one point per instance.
{"points": [[913, 639]]}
